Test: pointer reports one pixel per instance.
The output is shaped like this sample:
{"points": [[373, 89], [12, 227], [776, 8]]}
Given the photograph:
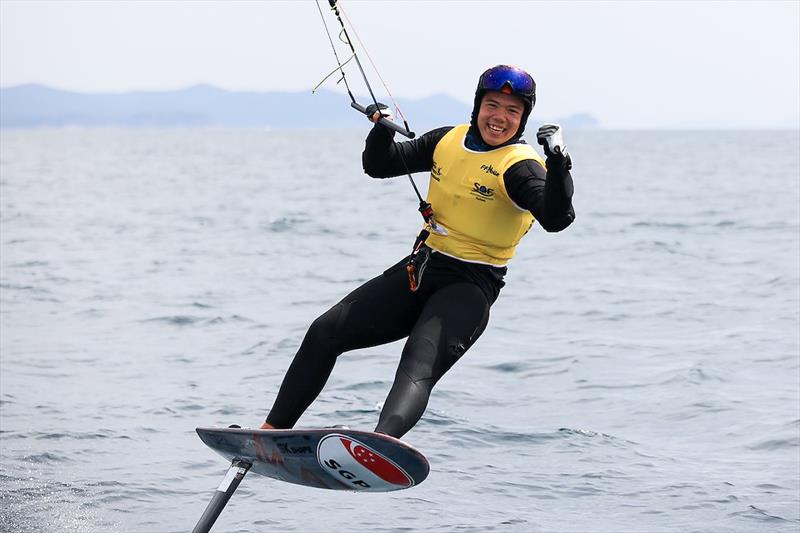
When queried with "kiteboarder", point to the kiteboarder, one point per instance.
{"points": [[487, 187]]}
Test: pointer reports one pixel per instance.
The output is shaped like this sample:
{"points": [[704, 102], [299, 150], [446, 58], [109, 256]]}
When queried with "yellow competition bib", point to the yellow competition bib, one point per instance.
{"points": [[470, 200]]}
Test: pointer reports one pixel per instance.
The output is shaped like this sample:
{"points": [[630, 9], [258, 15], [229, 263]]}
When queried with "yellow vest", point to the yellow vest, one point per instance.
{"points": [[470, 200]]}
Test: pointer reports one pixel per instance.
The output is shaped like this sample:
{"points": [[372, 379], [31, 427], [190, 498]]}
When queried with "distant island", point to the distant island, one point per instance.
{"points": [[30, 106]]}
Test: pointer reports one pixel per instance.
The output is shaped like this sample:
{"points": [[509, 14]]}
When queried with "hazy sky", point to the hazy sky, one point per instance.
{"points": [[631, 64]]}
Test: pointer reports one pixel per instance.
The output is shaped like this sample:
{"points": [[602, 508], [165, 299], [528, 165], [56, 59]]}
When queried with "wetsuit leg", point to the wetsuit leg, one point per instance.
{"points": [[452, 320], [380, 311]]}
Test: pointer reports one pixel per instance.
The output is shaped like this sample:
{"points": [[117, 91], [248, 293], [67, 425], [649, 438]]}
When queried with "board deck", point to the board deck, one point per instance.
{"points": [[330, 458]]}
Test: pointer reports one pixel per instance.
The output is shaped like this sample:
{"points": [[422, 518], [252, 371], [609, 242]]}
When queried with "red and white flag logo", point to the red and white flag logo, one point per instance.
{"points": [[359, 466]]}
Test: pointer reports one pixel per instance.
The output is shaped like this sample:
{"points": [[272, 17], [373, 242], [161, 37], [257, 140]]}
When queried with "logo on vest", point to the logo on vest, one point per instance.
{"points": [[436, 172], [489, 170], [482, 192]]}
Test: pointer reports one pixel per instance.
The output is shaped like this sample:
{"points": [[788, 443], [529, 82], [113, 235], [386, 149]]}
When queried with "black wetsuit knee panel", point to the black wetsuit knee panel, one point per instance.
{"points": [[418, 360], [422, 359], [325, 329]]}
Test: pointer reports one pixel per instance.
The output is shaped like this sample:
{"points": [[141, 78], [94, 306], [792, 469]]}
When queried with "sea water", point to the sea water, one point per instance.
{"points": [[640, 372]]}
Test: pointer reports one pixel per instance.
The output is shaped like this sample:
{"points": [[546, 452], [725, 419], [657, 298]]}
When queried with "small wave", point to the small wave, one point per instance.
{"points": [[190, 407], [606, 474], [189, 320], [45, 457], [29, 264], [668, 225], [514, 522], [374, 384], [180, 359], [354, 418], [254, 348], [586, 436], [92, 312], [508, 367], [756, 513], [73, 435], [19, 287], [583, 385], [10, 398], [769, 486], [779, 282], [161, 411], [604, 316], [44, 409], [776, 444], [227, 411], [583, 433], [531, 490], [284, 224], [698, 375], [670, 247], [708, 407], [542, 373], [176, 320], [492, 435], [221, 320]]}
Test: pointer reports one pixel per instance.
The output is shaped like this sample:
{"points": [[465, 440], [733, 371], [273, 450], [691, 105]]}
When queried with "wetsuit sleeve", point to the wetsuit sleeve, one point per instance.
{"points": [[546, 194], [384, 158]]}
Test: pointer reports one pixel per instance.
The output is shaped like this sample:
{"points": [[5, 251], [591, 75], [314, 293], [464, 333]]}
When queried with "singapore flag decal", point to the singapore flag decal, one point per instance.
{"points": [[359, 466]]}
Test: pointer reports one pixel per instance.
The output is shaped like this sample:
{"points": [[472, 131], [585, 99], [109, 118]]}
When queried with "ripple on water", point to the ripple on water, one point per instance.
{"points": [[760, 515], [772, 444], [509, 367], [33, 503], [193, 320], [73, 435]]}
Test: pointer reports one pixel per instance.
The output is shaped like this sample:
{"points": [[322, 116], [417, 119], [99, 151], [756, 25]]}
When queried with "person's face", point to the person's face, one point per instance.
{"points": [[499, 117]]}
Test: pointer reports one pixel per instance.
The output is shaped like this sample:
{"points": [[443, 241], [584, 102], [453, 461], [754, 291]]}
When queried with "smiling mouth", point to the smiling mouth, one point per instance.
{"points": [[495, 129]]}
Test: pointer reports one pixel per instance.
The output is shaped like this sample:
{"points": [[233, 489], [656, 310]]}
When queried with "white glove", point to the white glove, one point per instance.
{"points": [[549, 136]]}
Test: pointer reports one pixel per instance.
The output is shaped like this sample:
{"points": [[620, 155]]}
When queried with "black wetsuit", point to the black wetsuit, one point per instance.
{"points": [[442, 319]]}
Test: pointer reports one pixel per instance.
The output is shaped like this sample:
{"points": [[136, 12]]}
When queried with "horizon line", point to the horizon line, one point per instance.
{"points": [[790, 124], [267, 128]]}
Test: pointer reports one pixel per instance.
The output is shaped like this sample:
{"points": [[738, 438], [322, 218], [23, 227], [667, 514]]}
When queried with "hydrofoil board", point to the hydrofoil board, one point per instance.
{"points": [[330, 458]]}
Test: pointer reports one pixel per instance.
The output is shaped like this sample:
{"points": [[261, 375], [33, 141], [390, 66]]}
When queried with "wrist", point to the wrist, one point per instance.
{"points": [[559, 160]]}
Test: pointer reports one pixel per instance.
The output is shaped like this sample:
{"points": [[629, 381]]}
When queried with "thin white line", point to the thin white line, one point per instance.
{"points": [[467, 260]]}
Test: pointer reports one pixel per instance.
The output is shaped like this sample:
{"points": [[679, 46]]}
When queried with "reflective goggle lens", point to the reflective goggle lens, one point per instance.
{"points": [[501, 76]]}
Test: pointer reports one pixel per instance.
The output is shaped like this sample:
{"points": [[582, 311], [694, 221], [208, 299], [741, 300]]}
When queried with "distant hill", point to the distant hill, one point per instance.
{"points": [[26, 106]]}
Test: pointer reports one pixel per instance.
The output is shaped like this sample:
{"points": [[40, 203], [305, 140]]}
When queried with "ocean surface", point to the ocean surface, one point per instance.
{"points": [[640, 371]]}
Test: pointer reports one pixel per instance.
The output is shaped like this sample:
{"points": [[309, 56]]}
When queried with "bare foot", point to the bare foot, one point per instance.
{"points": [[266, 426]]}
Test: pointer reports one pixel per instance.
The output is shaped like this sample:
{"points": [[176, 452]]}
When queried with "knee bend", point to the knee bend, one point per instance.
{"points": [[423, 360], [418, 360], [323, 329]]}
